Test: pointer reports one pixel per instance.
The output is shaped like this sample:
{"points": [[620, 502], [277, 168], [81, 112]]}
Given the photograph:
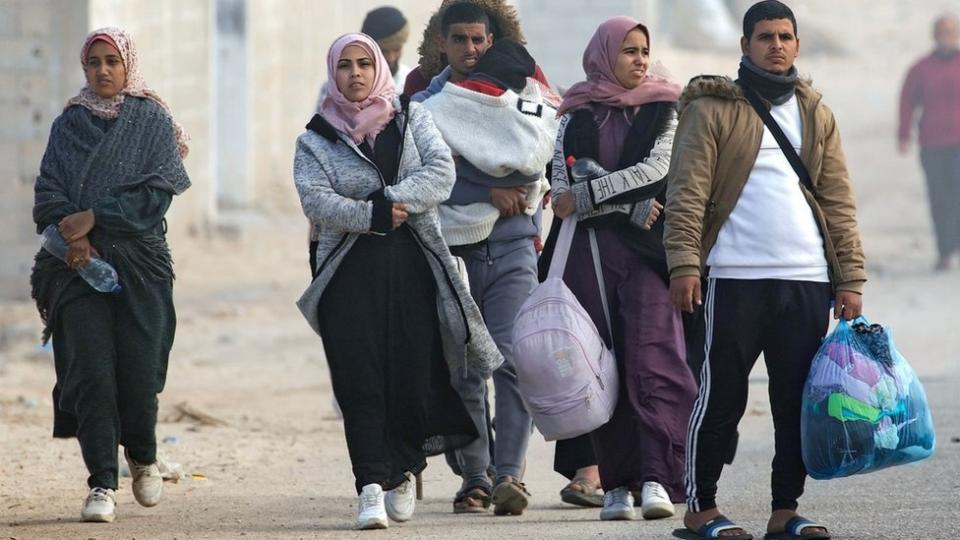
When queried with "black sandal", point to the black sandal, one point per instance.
{"points": [[793, 530], [715, 526]]}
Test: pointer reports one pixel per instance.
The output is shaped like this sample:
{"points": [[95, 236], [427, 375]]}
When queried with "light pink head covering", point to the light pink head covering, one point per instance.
{"points": [[601, 86], [135, 85], [367, 118]]}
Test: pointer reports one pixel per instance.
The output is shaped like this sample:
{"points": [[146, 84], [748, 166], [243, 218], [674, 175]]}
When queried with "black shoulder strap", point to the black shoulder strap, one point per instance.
{"points": [[774, 127], [405, 110]]}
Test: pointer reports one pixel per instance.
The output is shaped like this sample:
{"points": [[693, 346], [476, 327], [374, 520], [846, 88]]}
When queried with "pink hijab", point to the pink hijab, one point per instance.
{"points": [[364, 120], [135, 85], [601, 86]]}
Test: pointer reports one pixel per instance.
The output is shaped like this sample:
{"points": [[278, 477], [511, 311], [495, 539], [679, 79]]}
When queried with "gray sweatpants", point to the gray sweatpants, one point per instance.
{"points": [[942, 168], [499, 286]]}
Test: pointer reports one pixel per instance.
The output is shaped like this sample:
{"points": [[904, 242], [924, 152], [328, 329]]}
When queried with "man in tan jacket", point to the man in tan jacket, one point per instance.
{"points": [[773, 243]]}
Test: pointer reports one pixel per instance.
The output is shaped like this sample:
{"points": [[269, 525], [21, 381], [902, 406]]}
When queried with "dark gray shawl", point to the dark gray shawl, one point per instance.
{"points": [[84, 164]]}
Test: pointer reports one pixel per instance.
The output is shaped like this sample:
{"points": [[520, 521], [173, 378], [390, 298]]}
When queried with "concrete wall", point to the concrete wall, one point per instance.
{"points": [[288, 47], [173, 39], [234, 188], [39, 70], [40, 44]]}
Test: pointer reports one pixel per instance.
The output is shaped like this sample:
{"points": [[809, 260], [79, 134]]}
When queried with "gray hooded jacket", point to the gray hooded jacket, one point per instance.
{"points": [[334, 178]]}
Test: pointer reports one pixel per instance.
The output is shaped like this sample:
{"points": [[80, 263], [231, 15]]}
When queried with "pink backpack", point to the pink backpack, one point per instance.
{"points": [[565, 373]]}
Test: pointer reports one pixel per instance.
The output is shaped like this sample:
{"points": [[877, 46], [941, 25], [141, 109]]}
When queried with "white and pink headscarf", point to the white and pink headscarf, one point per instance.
{"points": [[135, 85], [362, 120]]}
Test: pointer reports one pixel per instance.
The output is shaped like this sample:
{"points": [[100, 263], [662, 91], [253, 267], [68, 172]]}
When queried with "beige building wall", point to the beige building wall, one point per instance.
{"points": [[173, 38], [287, 47], [38, 72]]}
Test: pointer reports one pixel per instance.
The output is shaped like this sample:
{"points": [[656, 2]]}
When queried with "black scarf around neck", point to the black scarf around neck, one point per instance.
{"points": [[777, 89]]}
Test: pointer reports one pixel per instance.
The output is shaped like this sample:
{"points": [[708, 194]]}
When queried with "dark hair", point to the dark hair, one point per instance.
{"points": [[767, 10], [464, 12], [506, 63], [641, 27]]}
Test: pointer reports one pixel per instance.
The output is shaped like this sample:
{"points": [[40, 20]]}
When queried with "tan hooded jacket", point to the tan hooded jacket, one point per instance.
{"points": [[716, 145]]}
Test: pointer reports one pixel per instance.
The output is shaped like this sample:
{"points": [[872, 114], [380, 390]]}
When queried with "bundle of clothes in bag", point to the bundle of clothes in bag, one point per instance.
{"points": [[864, 408]]}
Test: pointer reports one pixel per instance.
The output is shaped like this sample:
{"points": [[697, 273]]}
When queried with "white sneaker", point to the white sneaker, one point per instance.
{"points": [[401, 501], [147, 481], [655, 502], [99, 506], [370, 511], [617, 505]]}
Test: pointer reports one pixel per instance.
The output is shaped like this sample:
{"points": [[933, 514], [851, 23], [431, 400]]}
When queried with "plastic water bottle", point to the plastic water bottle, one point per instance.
{"points": [[98, 272], [586, 169]]}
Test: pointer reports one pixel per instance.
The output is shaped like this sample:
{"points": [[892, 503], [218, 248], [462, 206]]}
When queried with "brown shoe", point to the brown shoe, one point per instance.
{"points": [[510, 497]]}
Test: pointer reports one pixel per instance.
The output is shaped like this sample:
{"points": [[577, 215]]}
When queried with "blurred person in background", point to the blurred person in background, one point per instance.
{"points": [[395, 319], [933, 86], [390, 29], [112, 166]]}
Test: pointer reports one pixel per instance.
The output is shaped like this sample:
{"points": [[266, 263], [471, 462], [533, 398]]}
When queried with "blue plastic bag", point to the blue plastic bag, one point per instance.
{"points": [[863, 406]]}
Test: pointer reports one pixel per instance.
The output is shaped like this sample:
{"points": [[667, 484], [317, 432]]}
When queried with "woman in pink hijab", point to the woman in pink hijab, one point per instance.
{"points": [[395, 318], [609, 177]]}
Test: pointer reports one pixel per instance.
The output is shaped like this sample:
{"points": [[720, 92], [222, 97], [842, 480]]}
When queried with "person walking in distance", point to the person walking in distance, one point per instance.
{"points": [[933, 86]]}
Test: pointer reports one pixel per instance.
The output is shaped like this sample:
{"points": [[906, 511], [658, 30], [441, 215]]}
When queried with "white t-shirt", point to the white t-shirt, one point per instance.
{"points": [[772, 232]]}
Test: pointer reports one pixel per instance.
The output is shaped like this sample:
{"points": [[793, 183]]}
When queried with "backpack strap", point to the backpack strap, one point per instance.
{"points": [[561, 250], [598, 270], [561, 253]]}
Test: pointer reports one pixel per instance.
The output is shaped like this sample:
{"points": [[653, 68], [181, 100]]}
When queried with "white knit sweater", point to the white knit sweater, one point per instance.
{"points": [[499, 135]]}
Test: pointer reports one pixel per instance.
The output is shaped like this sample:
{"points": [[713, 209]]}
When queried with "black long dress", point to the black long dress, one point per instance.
{"points": [[381, 333]]}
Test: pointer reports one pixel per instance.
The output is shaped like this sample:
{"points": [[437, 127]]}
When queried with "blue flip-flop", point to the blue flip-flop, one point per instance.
{"points": [[717, 525], [794, 531]]}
